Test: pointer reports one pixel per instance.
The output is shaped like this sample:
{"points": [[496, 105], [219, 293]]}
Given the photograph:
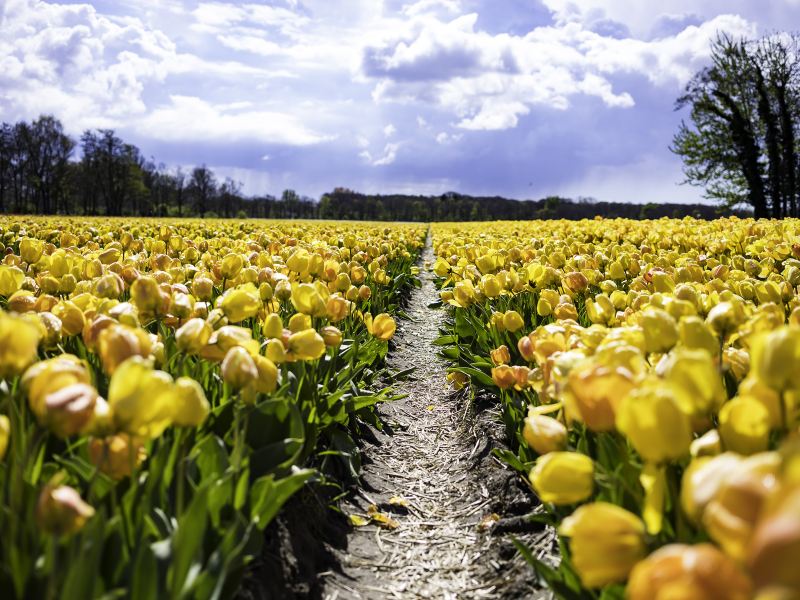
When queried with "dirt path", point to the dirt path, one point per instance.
{"points": [[438, 461]]}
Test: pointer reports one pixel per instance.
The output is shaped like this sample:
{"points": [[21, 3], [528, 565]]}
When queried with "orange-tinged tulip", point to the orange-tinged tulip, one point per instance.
{"points": [[699, 572], [504, 376], [117, 456], [500, 356], [563, 477], [775, 544], [606, 541], [703, 479], [594, 392], [117, 343], [332, 336]]}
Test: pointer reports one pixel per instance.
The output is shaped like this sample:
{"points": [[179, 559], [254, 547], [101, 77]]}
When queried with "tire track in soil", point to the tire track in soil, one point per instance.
{"points": [[438, 459]]}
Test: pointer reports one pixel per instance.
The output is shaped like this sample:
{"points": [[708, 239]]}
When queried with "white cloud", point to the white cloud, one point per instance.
{"points": [[388, 157], [389, 130], [445, 139], [489, 81], [189, 118]]}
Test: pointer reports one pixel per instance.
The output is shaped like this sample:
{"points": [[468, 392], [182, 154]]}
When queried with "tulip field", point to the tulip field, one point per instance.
{"points": [[649, 374], [167, 387]]}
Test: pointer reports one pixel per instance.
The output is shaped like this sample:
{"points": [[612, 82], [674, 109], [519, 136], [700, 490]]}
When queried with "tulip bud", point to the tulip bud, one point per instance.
{"points": [[306, 345], [307, 300], [660, 330], [146, 295], [775, 358], [117, 343], [336, 308], [31, 250], [513, 321], [116, 456], [606, 542], [70, 409], [193, 336], [332, 336], [383, 327], [503, 376], [526, 349], [299, 322], [238, 368], [202, 288], [543, 308], [702, 479], [241, 303], [698, 572], [11, 279], [653, 420], [275, 351], [364, 292], [19, 341], [60, 510], [231, 265], [774, 547], [594, 392], [744, 425], [544, 434], [5, 433], [576, 282], [191, 407], [500, 356], [563, 477], [268, 376], [725, 317]]}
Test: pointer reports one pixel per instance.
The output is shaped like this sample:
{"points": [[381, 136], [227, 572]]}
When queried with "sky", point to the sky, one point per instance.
{"points": [[520, 98]]}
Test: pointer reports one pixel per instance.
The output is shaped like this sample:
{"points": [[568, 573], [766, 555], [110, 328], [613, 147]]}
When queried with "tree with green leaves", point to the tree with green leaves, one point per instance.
{"points": [[741, 145]]}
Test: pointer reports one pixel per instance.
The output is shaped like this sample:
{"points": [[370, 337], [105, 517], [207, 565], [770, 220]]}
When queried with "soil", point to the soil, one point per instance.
{"points": [[450, 507]]}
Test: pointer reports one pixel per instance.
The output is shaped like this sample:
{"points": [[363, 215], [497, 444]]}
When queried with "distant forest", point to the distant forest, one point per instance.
{"points": [[40, 174]]}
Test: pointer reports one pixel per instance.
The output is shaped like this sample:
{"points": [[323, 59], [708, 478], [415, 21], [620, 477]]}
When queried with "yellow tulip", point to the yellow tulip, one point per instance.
{"points": [[117, 343], [117, 456], [275, 351], [141, 400], [775, 358], [699, 572], [49, 376], [660, 330], [544, 434], [202, 288], [724, 317], [702, 480], [744, 425], [332, 336], [19, 342], [695, 371], [773, 549], [513, 321], [731, 515], [652, 419], [606, 542], [594, 392], [383, 327], [72, 319], [500, 356], [60, 510], [238, 368], [5, 434], [299, 322], [267, 380], [230, 336], [146, 295], [273, 326], [336, 308], [563, 477], [241, 303], [11, 279], [230, 266], [31, 250], [191, 406], [193, 336], [306, 345], [308, 301]]}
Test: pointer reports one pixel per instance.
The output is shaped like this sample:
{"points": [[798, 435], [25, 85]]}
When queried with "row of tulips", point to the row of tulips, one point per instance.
{"points": [[165, 387], [649, 375]]}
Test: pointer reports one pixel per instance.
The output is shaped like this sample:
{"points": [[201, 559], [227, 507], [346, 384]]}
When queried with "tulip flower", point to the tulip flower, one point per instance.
{"points": [[513, 321], [5, 433], [49, 376], [60, 510], [702, 480], [775, 358], [331, 335], [191, 406], [238, 368], [563, 477], [653, 420], [117, 343], [11, 279], [117, 456], [383, 327], [744, 425], [273, 326], [193, 336], [775, 543], [606, 542], [307, 300], [306, 345], [70, 409], [699, 572], [19, 341], [500, 356], [660, 330], [695, 371], [142, 400], [268, 377], [241, 303], [594, 392], [544, 434]]}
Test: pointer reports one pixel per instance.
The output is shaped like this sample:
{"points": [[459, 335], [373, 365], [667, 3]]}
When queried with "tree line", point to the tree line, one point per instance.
{"points": [[45, 171], [742, 143]]}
